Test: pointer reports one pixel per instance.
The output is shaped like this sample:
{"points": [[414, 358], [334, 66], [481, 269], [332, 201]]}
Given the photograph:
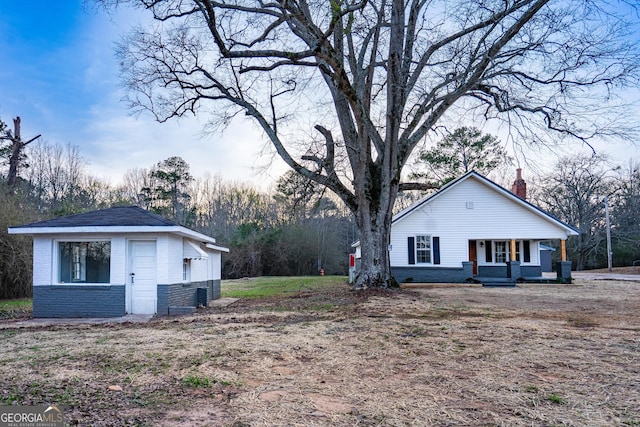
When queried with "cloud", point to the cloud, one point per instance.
{"points": [[118, 142], [62, 80]]}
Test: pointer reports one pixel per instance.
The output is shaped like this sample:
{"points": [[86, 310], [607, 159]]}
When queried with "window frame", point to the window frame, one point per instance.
{"points": [[498, 256], [80, 257], [421, 239], [186, 270], [507, 251]]}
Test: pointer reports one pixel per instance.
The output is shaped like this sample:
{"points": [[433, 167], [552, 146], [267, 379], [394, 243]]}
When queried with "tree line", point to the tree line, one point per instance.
{"points": [[298, 227], [293, 229]]}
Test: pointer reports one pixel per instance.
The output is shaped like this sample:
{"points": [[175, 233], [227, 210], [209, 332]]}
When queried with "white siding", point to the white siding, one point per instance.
{"points": [[199, 269], [118, 271], [215, 265], [45, 256], [534, 248], [42, 261], [169, 259], [470, 211]]}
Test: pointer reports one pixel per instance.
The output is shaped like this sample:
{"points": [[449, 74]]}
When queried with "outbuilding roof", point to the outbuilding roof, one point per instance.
{"points": [[130, 216], [120, 219]]}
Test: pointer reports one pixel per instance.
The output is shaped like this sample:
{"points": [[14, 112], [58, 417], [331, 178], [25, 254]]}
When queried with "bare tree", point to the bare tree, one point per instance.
{"points": [[15, 150], [133, 181], [626, 214], [56, 176], [574, 192], [374, 78]]}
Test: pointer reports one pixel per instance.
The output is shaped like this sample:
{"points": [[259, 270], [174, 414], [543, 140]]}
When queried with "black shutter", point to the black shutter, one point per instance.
{"points": [[436, 250], [487, 251], [527, 251], [411, 248]]}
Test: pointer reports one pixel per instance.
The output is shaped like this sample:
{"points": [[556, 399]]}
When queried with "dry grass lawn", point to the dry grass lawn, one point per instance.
{"points": [[526, 356]]}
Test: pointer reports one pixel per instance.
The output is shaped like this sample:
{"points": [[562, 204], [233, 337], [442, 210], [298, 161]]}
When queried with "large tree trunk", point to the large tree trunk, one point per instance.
{"points": [[375, 268], [373, 219]]}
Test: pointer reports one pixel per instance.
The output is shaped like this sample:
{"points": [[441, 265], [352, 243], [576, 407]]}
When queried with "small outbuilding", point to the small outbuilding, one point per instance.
{"points": [[121, 260]]}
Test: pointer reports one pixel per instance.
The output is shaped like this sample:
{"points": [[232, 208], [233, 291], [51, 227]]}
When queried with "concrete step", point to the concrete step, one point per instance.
{"points": [[179, 311]]}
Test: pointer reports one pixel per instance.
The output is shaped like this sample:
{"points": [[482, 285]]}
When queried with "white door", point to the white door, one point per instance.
{"points": [[142, 277]]}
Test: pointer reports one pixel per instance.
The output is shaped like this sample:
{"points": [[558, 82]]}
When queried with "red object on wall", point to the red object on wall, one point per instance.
{"points": [[352, 260]]}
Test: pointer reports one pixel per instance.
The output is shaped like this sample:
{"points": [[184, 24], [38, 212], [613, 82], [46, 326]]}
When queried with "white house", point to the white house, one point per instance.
{"points": [[111, 262], [472, 229]]}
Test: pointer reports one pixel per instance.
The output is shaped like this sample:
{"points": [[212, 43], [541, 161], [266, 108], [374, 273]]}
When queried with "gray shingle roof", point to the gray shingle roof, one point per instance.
{"points": [[117, 216]]}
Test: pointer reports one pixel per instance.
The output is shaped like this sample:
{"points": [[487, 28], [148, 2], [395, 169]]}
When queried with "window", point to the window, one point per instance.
{"points": [[423, 249], [186, 270], [501, 251], [84, 262]]}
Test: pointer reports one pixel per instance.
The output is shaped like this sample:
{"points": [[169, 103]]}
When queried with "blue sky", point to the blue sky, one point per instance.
{"points": [[58, 73]]}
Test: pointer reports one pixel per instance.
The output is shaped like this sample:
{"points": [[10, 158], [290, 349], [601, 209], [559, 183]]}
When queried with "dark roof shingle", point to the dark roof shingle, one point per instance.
{"points": [[128, 216]]}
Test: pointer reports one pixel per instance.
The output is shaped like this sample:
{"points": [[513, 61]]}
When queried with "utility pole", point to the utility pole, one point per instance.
{"points": [[609, 252]]}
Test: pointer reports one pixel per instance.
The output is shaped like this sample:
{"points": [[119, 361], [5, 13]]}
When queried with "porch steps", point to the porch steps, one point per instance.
{"points": [[495, 282]]}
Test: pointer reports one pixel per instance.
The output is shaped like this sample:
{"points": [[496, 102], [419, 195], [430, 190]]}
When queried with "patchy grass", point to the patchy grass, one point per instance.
{"points": [[320, 354], [261, 287], [554, 398], [15, 308], [197, 381]]}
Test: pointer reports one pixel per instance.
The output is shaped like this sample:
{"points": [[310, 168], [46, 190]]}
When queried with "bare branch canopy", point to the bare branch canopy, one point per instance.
{"points": [[345, 90]]}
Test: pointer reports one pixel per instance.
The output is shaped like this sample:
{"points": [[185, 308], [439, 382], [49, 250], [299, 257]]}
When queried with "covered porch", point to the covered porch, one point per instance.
{"points": [[506, 263]]}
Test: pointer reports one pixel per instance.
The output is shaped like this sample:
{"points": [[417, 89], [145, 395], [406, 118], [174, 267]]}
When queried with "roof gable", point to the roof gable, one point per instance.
{"points": [[497, 189]]}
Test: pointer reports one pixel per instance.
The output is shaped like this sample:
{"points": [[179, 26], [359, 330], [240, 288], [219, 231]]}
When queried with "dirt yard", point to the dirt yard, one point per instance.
{"points": [[526, 356]]}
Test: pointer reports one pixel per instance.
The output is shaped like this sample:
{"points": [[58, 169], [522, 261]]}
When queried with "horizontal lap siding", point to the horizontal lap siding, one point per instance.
{"points": [[447, 216]]}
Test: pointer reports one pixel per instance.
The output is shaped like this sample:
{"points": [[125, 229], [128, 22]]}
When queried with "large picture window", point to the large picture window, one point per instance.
{"points": [[85, 262], [423, 249]]}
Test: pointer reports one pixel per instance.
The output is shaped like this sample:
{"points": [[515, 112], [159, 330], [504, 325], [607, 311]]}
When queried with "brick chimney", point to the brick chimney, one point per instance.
{"points": [[519, 187]]}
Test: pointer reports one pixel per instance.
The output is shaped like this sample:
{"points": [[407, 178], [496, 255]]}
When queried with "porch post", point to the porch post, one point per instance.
{"points": [[513, 266], [563, 268], [513, 250]]}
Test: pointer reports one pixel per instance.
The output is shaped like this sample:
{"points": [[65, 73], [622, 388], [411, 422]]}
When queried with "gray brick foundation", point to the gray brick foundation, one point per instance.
{"points": [[433, 274], [61, 301], [184, 295]]}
